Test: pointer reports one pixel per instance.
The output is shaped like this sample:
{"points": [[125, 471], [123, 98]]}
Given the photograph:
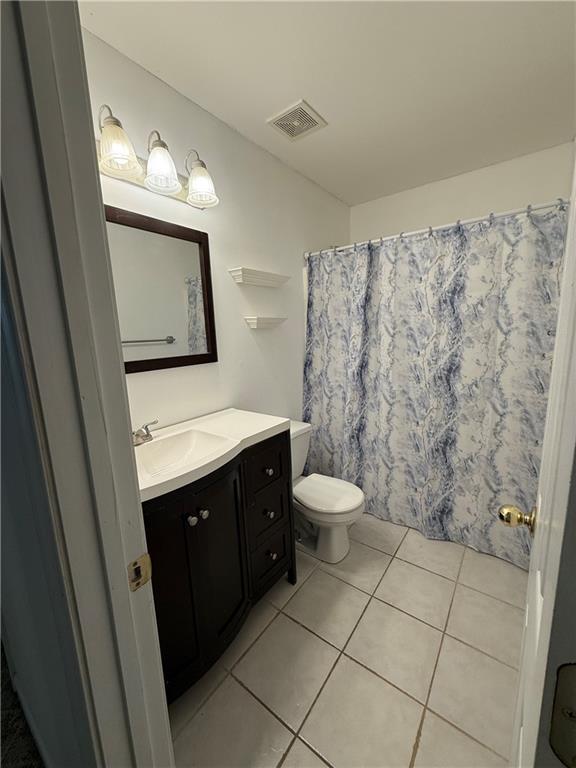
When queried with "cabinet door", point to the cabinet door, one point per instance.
{"points": [[218, 560], [176, 613]]}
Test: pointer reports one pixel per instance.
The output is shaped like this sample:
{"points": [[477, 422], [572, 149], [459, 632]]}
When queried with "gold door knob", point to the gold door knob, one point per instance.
{"points": [[513, 517]]}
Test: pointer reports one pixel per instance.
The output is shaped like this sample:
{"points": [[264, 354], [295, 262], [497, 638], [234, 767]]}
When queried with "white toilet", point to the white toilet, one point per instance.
{"points": [[329, 506]]}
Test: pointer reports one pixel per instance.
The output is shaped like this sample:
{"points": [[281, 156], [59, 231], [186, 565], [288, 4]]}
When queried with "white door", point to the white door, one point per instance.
{"points": [[538, 668]]}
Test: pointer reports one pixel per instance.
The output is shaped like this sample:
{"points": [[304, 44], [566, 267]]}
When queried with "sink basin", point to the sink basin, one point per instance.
{"points": [[191, 453]]}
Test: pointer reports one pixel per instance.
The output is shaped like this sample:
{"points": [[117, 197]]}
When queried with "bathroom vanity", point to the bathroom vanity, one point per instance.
{"points": [[217, 504]]}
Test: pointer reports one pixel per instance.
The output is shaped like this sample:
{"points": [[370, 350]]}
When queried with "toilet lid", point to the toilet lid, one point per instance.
{"points": [[327, 494]]}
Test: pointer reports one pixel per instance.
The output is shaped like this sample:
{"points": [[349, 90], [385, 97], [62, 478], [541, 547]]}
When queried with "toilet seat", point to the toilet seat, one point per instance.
{"points": [[327, 495]]}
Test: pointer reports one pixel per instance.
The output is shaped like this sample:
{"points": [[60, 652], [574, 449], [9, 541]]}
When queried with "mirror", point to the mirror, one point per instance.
{"points": [[163, 292]]}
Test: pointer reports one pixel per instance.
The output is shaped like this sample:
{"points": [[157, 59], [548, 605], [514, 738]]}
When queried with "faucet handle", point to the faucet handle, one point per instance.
{"points": [[146, 427], [144, 430]]}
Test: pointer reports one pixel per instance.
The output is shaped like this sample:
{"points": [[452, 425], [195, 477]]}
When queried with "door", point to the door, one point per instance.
{"points": [[166, 524], [548, 639], [218, 559], [66, 333]]}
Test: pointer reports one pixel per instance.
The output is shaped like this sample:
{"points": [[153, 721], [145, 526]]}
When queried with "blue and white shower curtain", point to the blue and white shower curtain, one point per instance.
{"points": [[426, 375], [197, 343]]}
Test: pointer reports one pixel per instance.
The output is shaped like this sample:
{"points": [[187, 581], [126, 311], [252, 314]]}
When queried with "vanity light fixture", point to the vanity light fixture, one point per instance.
{"points": [[161, 174], [117, 155], [201, 192], [117, 158]]}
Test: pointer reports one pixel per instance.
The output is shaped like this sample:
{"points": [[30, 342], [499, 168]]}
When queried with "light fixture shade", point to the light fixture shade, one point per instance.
{"points": [[161, 174], [117, 155], [201, 190]]}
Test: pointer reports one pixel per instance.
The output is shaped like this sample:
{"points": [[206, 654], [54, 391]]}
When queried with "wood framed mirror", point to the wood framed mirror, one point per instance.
{"points": [[163, 291]]}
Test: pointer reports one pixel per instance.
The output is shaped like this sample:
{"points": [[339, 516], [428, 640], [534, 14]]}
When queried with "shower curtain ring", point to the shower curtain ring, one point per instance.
{"points": [[430, 231], [491, 218], [529, 209], [561, 204]]}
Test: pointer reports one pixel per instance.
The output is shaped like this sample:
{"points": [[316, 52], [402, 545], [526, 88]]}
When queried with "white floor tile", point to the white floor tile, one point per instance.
{"points": [[442, 746], [476, 693], [286, 668], [282, 591], [258, 619], [184, 708], [418, 592], [488, 624], [301, 756], [494, 577], [377, 533], [400, 648], [232, 729], [328, 607], [442, 557], [359, 720], [362, 567]]}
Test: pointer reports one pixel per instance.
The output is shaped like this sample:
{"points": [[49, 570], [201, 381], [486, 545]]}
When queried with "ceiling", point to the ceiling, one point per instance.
{"points": [[412, 91]]}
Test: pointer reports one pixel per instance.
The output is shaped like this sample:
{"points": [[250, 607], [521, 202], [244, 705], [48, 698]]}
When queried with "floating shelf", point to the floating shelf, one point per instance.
{"points": [[248, 276], [258, 322]]}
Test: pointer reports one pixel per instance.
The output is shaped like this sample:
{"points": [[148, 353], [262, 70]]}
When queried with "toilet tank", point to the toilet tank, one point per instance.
{"points": [[300, 442]]}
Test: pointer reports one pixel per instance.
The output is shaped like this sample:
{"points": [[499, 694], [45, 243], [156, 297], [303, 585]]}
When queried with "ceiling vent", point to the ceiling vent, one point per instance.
{"points": [[297, 121]]}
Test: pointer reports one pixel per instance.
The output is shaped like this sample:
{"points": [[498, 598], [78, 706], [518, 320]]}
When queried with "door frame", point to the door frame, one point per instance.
{"points": [[61, 292], [553, 558]]}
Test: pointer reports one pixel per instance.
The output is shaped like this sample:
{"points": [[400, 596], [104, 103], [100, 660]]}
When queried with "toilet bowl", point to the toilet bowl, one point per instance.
{"points": [[328, 505]]}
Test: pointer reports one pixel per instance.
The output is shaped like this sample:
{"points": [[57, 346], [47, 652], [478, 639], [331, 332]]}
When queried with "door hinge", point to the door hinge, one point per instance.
{"points": [[139, 571]]}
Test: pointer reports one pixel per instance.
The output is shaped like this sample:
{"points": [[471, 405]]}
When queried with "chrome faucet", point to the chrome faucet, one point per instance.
{"points": [[143, 435]]}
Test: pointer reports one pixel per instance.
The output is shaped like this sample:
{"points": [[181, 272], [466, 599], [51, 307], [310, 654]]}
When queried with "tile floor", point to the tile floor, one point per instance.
{"points": [[404, 654]]}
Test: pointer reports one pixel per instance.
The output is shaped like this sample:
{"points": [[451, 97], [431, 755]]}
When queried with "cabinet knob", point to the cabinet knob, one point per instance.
{"points": [[270, 514], [204, 514], [269, 471], [192, 520], [273, 555]]}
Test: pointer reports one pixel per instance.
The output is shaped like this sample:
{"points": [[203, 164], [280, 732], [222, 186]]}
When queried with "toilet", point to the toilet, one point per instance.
{"points": [[325, 506]]}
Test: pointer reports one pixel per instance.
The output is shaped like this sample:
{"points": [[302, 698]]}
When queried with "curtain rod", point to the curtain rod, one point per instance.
{"points": [[560, 203]]}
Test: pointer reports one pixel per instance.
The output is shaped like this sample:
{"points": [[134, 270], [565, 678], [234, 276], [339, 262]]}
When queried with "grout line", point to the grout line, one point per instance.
{"points": [[411, 615], [487, 594], [340, 654], [249, 648], [416, 745], [384, 679], [423, 568], [479, 650], [200, 706], [266, 706], [464, 733]]}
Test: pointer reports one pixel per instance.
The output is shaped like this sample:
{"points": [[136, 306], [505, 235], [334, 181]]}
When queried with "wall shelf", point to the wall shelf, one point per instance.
{"points": [[259, 322], [249, 276]]}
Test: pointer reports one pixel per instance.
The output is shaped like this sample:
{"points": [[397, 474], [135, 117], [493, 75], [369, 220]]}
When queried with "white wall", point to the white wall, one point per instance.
{"points": [[267, 217], [536, 178]]}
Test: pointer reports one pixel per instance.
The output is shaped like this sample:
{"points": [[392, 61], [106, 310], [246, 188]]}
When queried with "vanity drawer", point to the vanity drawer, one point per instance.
{"points": [[270, 510], [271, 557], [267, 463]]}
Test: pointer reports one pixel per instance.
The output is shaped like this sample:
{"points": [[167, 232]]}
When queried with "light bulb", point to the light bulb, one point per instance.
{"points": [[201, 191], [117, 155], [161, 174]]}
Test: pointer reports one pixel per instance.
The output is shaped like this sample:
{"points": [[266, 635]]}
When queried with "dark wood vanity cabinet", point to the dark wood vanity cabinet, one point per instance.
{"points": [[217, 545]]}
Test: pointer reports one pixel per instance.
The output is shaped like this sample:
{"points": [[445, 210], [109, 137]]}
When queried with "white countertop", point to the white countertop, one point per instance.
{"points": [[241, 430]]}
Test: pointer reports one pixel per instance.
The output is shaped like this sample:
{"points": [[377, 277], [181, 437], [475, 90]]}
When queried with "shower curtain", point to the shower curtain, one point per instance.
{"points": [[197, 344], [426, 373]]}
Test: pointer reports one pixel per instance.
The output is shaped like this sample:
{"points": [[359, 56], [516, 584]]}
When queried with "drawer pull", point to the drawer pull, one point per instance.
{"points": [[269, 471], [273, 555], [192, 520], [204, 514], [270, 514]]}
